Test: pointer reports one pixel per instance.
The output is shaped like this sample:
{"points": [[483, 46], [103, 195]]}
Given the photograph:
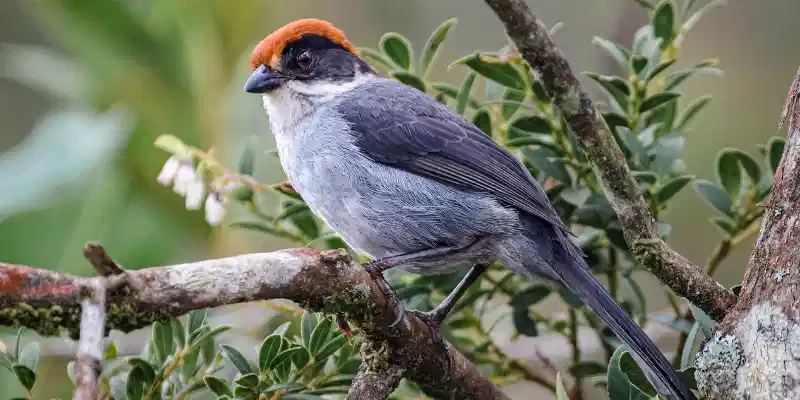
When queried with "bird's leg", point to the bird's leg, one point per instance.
{"points": [[435, 317], [377, 267]]}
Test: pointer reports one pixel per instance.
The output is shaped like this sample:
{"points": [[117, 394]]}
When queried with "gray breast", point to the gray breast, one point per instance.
{"points": [[377, 209]]}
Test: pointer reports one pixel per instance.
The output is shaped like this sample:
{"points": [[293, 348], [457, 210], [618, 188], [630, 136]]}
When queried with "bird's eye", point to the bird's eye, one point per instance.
{"points": [[304, 59]]}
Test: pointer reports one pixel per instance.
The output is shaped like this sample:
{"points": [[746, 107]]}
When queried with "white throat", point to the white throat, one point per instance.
{"points": [[295, 100]]}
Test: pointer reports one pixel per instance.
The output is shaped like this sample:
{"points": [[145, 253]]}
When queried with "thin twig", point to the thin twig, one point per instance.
{"points": [[90, 346]]}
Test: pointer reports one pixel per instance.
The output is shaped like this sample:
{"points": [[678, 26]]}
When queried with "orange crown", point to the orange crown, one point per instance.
{"points": [[268, 52]]}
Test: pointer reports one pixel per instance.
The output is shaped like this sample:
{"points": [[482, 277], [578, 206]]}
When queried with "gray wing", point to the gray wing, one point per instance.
{"points": [[402, 127]]}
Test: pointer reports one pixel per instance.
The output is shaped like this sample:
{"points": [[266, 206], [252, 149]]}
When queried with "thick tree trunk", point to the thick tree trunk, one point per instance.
{"points": [[755, 352]]}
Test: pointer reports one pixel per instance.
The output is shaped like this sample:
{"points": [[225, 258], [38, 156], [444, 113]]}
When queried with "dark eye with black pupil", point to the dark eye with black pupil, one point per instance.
{"points": [[304, 59]]}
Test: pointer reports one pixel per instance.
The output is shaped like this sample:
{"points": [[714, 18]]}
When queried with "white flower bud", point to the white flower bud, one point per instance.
{"points": [[168, 171], [195, 191], [185, 175], [215, 209]]}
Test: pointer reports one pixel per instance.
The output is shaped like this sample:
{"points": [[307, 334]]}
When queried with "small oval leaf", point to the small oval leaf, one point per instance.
{"points": [[398, 49]]}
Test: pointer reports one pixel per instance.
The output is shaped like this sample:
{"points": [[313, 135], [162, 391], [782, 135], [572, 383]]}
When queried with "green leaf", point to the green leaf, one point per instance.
{"points": [[615, 51], [267, 351], [678, 77], [625, 380], [613, 120], [483, 120], [148, 373], [24, 375], [178, 332], [530, 124], [672, 187], [658, 69], [218, 386], [561, 392], [207, 334], [306, 223], [135, 386], [300, 358], [715, 195], [320, 335], [434, 43], [749, 164], [615, 86], [727, 227], [237, 359], [530, 296], [523, 322], [500, 72], [247, 160], [686, 376], [331, 347], [284, 355], [520, 303], [249, 381], [585, 369], [686, 352], [451, 91], [634, 145], [162, 340], [464, 93], [677, 323], [706, 323], [638, 64], [728, 173], [664, 22], [378, 57], [398, 49], [657, 100], [512, 100], [307, 324], [540, 159], [666, 151], [539, 92], [410, 79], [691, 111], [775, 148], [29, 356], [576, 196]]}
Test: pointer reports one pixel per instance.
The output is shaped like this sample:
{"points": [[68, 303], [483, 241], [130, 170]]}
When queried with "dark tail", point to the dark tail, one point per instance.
{"points": [[571, 268]]}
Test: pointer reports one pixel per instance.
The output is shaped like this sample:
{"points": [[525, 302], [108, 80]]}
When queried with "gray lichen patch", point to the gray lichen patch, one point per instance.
{"points": [[762, 360], [716, 366]]}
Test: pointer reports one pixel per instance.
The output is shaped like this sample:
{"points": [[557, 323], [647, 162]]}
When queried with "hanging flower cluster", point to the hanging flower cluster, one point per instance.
{"points": [[202, 180], [188, 181]]}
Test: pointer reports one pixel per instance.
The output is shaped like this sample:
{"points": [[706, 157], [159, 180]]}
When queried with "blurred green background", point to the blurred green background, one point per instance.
{"points": [[86, 88]]}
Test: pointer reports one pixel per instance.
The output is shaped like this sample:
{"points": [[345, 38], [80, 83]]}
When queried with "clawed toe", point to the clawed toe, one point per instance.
{"points": [[375, 271], [433, 320]]}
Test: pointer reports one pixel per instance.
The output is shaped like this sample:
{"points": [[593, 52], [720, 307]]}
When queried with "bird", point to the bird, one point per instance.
{"points": [[408, 182]]}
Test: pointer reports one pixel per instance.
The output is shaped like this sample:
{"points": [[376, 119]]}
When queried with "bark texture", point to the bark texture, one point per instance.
{"points": [[755, 352], [329, 281], [640, 228]]}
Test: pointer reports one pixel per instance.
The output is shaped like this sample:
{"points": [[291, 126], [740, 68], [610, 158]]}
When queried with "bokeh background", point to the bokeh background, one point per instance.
{"points": [[84, 91]]}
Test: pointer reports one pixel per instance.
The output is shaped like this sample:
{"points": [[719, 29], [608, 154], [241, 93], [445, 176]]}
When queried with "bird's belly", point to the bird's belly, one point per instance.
{"points": [[382, 211]]}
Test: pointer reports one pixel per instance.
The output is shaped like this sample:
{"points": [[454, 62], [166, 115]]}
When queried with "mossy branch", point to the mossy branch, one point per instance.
{"points": [[51, 302], [641, 231]]}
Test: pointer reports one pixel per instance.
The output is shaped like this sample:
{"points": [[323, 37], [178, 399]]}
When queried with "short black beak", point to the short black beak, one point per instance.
{"points": [[262, 80]]}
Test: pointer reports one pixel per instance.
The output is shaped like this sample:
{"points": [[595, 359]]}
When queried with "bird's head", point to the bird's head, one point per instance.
{"points": [[308, 56]]}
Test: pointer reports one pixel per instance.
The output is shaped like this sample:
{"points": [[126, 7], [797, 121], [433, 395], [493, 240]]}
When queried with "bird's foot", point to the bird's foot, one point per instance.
{"points": [[433, 319], [375, 270]]}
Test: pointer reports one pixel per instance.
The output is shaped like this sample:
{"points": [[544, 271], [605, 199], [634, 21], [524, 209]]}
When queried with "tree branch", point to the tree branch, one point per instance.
{"points": [[90, 347], [322, 281], [608, 161], [754, 352], [377, 380]]}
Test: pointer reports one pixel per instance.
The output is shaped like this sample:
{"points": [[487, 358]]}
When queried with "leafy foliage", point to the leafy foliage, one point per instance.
{"points": [[646, 113]]}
